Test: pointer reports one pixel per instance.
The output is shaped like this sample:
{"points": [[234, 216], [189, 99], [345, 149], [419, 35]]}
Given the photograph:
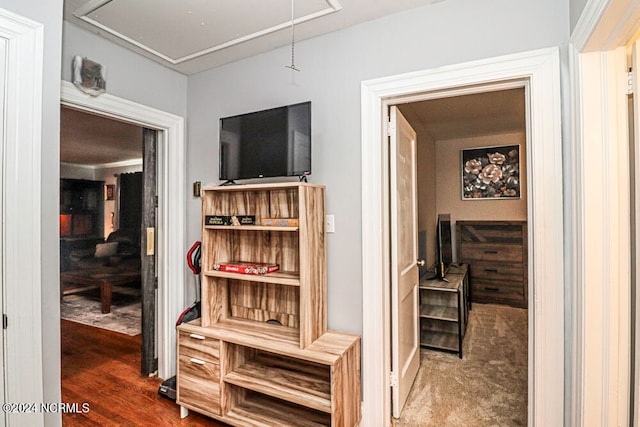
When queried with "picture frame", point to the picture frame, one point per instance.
{"points": [[110, 192], [490, 173]]}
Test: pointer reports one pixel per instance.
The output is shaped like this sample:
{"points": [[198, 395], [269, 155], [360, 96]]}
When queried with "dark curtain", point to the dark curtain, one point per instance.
{"points": [[130, 211]]}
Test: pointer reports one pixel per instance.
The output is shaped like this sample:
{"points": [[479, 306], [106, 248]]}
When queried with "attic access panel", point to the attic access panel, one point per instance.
{"points": [[177, 31]]}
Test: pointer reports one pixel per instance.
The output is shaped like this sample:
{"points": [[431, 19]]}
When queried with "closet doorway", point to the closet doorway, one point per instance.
{"points": [[471, 168]]}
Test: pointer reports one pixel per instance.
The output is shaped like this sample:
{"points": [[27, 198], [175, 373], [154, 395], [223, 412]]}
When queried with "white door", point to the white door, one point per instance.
{"points": [[3, 55], [405, 343], [635, 209]]}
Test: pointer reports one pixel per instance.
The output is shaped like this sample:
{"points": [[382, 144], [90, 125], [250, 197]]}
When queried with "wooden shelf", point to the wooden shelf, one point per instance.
{"points": [[285, 379], [260, 410], [327, 349], [277, 277], [257, 334], [294, 185], [441, 340], [251, 228], [439, 312], [444, 311], [295, 373]]}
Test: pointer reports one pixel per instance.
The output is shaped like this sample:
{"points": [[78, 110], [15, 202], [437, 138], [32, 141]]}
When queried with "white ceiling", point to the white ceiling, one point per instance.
{"points": [[190, 36], [87, 139], [194, 35], [469, 115]]}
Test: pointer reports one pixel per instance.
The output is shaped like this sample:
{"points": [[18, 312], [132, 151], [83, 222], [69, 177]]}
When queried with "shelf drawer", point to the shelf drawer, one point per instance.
{"points": [[492, 231], [500, 292], [199, 383], [490, 252], [199, 346], [513, 272]]}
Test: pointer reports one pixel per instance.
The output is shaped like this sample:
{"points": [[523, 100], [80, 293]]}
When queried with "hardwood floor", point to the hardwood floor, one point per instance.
{"points": [[102, 368]]}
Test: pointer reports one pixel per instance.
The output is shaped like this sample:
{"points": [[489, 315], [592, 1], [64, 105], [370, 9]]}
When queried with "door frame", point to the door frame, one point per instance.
{"points": [[20, 248], [541, 69], [171, 205], [602, 378]]}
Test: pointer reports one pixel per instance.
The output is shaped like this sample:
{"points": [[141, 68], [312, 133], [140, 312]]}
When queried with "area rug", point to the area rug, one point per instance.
{"points": [[125, 316], [488, 387]]}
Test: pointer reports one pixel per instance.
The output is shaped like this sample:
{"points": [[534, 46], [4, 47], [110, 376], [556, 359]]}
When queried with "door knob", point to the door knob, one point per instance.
{"points": [[420, 262]]}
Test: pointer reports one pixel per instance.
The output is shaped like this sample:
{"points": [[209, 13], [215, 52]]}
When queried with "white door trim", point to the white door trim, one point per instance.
{"points": [[601, 350], [598, 152], [171, 205], [546, 297], [21, 251]]}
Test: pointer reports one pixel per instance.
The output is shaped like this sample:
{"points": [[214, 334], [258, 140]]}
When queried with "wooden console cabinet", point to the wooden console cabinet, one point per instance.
{"points": [[261, 354], [496, 252]]}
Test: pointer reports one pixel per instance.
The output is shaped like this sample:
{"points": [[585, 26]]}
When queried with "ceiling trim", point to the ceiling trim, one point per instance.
{"points": [[122, 164], [83, 12]]}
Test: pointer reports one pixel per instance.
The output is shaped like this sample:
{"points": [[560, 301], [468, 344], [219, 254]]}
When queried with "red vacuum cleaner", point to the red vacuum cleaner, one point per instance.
{"points": [[168, 387], [193, 260]]}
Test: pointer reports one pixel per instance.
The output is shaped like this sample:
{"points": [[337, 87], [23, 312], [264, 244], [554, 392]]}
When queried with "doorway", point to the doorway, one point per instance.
{"points": [[105, 279], [171, 206], [475, 225], [540, 73]]}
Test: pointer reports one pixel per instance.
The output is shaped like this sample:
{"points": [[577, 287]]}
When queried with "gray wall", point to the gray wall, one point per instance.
{"points": [[129, 75], [333, 67], [48, 13], [576, 9]]}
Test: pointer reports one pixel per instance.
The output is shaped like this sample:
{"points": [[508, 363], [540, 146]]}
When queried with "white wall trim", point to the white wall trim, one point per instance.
{"points": [[588, 21], [546, 270], [171, 202], [21, 250], [605, 289], [606, 25]]}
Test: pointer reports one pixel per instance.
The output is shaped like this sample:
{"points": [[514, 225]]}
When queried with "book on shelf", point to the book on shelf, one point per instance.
{"points": [[243, 267], [280, 222], [231, 220]]}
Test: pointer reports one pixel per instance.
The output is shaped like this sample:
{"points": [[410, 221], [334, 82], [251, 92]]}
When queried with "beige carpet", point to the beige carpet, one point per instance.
{"points": [[488, 387]]}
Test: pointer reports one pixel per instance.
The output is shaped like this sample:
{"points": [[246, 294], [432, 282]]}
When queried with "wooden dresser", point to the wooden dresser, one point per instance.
{"points": [[496, 252]]}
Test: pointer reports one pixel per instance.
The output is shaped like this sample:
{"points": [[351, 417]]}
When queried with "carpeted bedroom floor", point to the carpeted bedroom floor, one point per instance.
{"points": [[488, 387]]}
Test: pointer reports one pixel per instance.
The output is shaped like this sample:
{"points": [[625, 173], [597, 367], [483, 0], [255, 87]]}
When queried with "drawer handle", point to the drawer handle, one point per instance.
{"points": [[490, 252], [196, 336], [491, 270], [491, 289], [198, 361]]}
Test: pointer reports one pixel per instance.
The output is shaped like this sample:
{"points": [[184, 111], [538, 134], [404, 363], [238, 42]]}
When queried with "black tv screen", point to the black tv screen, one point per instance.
{"points": [[268, 143], [445, 247]]}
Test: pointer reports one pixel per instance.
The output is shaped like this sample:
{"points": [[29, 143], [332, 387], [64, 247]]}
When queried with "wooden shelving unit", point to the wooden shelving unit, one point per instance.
{"points": [[276, 363], [444, 311]]}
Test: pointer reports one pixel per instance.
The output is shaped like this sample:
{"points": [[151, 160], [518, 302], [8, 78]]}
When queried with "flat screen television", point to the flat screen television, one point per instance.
{"points": [[445, 248], [268, 143]]}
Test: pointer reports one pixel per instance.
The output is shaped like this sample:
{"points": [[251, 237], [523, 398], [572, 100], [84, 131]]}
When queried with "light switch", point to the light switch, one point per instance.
{"points": [[331, 224]]}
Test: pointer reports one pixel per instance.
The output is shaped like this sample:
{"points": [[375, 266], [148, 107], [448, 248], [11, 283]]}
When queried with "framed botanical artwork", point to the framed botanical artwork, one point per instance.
{"points": [[491, 173]]}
